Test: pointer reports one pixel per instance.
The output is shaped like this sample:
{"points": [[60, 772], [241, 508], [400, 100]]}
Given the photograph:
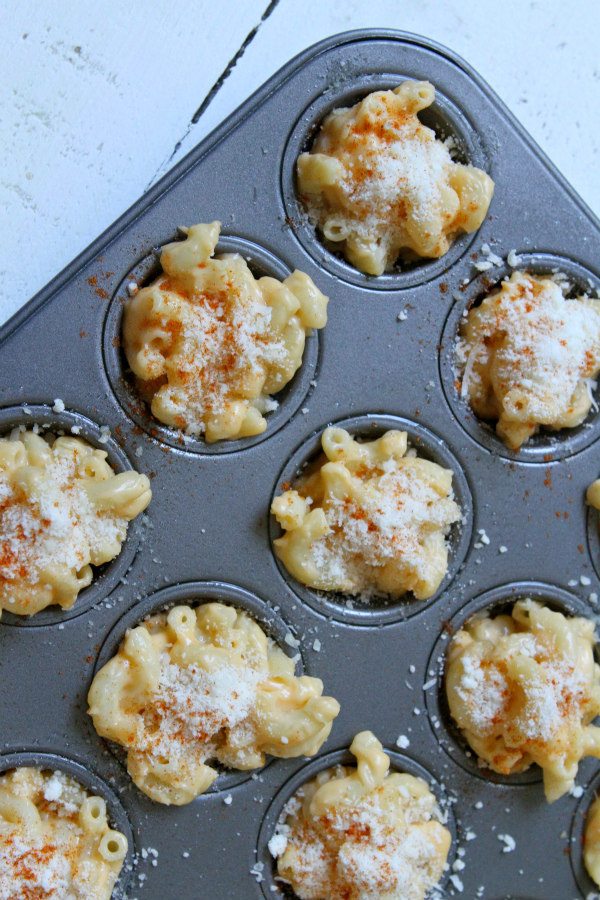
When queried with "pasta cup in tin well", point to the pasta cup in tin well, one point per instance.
{"points": [[198, 594], [547, 444], [379, 608], [289, 399], [108, 575], [495, 602], [94, 785], [444, 117], [271, 884], [593, 535]]}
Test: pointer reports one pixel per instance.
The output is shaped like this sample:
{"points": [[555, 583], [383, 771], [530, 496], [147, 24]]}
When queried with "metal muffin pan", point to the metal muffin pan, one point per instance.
{"points": [[209, 520]]}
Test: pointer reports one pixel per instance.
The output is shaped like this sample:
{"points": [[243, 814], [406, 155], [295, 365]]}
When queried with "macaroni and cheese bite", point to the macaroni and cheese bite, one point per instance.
{"points": [[354, 833], [591, 841], [194, 686], [527, 355], [62, 510], [209, 343], [55, 838], [368, 519], [379, 185], [524, 688]]}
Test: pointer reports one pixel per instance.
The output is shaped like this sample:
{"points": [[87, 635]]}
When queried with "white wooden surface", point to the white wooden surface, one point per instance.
{"points": [[97, 100]]}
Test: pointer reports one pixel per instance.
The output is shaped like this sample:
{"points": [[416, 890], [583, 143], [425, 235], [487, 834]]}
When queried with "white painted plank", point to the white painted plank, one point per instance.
{"points": [[83, 132], [93, 98]]}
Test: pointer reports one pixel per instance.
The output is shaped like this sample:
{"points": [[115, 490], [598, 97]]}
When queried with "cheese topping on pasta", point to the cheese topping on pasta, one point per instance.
{"points": [[526, 357], [62, 511], [55, 840], [368, 519], [209, 343], [524, 688], [196, 685], [379, 184], [362, 833]]}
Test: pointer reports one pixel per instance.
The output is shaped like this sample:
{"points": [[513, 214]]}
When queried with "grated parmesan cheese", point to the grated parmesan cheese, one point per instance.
{"points": [[53, 789], [508, 841], [220, 344], [277, 845], [394, 522], [191, 706]]}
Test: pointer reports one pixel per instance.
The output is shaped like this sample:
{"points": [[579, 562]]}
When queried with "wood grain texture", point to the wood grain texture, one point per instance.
{"points": [[97, 102]]}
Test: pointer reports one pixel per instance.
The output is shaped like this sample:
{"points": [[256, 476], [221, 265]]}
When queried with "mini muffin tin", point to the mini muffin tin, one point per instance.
{"points": [[382, 358]]}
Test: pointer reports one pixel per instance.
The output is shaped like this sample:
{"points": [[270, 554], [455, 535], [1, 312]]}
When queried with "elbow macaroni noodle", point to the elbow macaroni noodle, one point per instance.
{"points": [[591, 841], [524, 688], [55, 840], [368, 519], [204, 684], [379, 184], [593, 494], [62, 511], [527, 355], [357, 833], [209, 343]]}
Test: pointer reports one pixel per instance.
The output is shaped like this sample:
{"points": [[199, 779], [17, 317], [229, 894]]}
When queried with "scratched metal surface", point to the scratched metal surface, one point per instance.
{"points": [[209, 515]]}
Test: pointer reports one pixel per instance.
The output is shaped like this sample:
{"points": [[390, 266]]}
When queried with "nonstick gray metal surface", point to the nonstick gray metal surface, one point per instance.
{"points": [[209, 522]]}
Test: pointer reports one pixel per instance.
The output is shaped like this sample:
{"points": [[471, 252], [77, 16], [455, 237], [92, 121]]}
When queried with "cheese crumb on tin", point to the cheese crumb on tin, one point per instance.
{"points": [[508, 841]]}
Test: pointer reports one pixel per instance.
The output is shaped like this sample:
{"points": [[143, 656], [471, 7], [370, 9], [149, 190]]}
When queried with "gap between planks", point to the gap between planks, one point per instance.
{"points": [[214, 90]]}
